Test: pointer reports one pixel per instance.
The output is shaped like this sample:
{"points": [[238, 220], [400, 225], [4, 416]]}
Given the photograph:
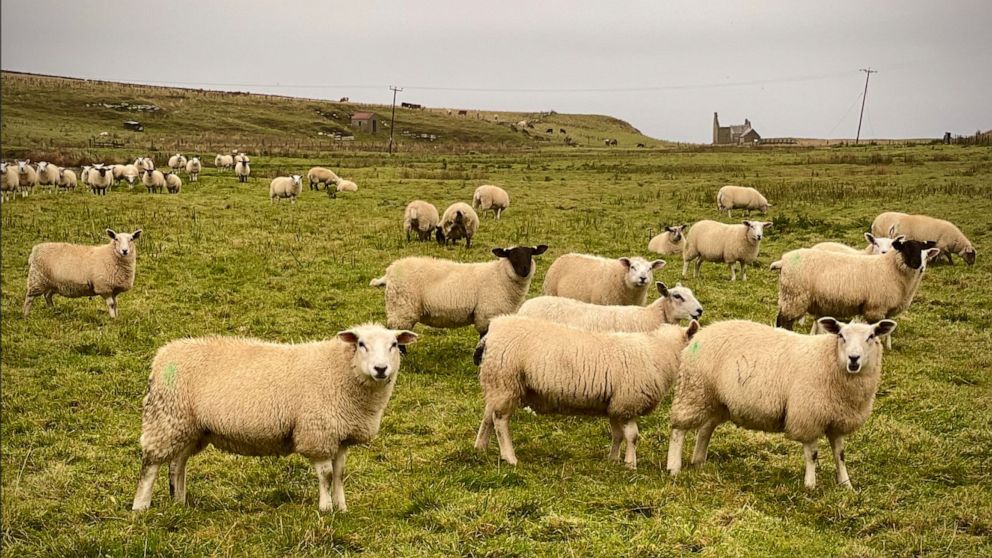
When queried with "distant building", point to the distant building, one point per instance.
{"points": [[729, 135], [365, 121]]}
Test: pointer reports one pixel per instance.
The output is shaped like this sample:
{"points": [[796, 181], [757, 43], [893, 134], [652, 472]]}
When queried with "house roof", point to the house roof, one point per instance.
{"points": [[363, 116]]}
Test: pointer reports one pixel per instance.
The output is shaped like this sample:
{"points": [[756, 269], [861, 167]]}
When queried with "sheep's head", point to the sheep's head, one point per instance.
{"points": [[521, 257], [123, 242], [639, 272], [756, 229], [881, 244], [858, 345], [22, 166], [683, 303], [676, 234], [296, 179], [3, 167], [377, 349], [969, 254], [42, 166], [915, 253]]}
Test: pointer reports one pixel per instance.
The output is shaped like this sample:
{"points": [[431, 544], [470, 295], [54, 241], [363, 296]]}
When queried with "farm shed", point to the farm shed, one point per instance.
{"points": [[134, 125], [365, 121]]}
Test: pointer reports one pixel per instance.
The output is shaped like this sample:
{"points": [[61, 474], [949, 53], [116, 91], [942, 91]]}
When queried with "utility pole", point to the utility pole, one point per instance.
{"points": [[392, 119], [868, 72]]}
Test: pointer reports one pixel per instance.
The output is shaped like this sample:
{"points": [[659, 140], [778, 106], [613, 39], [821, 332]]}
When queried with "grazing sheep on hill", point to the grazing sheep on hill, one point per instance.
{"points": [[318, 176], [490, 198], [730, 244], [739, 197], [620, 281]]}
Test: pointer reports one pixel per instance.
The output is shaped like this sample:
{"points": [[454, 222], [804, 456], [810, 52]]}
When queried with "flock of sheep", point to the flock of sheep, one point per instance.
{"points": [[588, 346]]}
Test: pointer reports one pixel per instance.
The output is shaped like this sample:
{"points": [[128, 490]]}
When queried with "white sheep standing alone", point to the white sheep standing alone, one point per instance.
{"points": [[285, 187], [771, 380], [250, 397], [712, 241], [318, 176], [177, 163], [9, 181], [193, 168], [420, 217], [739, 197], [620, 281], [48, 176], [490, 198], [947, 236], [242, 169], [73, 270], [554, 368], [669, 242], [173, 183], [458, 221]]}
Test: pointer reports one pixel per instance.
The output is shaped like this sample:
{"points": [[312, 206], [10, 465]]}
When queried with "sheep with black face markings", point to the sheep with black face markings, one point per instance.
{"points": [[458, 221], [620, 281]]}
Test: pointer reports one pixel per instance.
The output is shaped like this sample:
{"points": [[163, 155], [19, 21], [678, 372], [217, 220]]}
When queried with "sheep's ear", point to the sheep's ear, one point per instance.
{"points": [[625, 262], [136, 235], [747, 223], [884, 327], [768, 224], [830, 325], [669, 229], [691, 330], [112, 234], [657, 264], [500, 253], [932, 253], [871, 239], [683, 226], [405, 337], [662, 289], [349, 337], [539, 249], [892, 231], [900, 238]]}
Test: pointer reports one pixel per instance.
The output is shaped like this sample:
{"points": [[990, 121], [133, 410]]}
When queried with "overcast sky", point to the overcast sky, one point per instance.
{"points": [[789, 66]]}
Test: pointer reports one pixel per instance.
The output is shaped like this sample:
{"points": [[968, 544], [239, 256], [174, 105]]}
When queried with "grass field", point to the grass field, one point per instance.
{"points": [[219, 259]]}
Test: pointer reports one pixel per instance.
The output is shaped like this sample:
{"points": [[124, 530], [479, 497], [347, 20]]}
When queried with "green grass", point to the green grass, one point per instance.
{"points": [[219, 259]]}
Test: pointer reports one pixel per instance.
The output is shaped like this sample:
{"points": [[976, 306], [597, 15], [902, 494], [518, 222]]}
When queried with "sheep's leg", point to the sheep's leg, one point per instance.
{"points": [[468, 241], [703, 442], [743, 271], [485, 429], [177, 472], [28, 301], [810, 455], [338, 477], [675, 451], [324, 470], [112, 305], [616, 433], [699, 265], [146, 481], [685, 268], [502, 423], [630, 435], [837, 445], [733, 271]]}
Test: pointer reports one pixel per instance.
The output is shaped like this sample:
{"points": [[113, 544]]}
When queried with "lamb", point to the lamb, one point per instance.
{"points": [[319, 175], [671, 241], [173, 183], [767, 379], [10, 181], [177, 163], [490, 198], [242, 168], [621, 281], [251, 397], [877, 245], [153, 180], [48, 176], [73, 270], [447, 294], [716, 242], [99, 179], [131, 175], [673, 305], [27, 177], [421, 217], [67, 180], [223, 161], [458, 221], [739, 197], [947, 235], [285, 187], [342, 186], [554, 368], [193, 168]]}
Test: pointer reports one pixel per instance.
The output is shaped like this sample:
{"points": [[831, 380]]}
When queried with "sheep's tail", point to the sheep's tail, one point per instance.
{"points": [[378, 282], [776, 266], [480, 351]]}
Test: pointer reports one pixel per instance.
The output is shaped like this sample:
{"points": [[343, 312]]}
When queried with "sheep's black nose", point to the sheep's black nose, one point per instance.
{"points": [[380, 371]]}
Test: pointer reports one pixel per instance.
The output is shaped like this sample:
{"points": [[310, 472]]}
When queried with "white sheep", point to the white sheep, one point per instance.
{"points": [[740, 197], [27, 177], [173, 183], [251, 397], [443, 293], [711, 241], [554, 368], [193, 168], [100, 178], [73, 270], [318, 176], [947, 235], [669, 242], [490, 198], [677, 303], [223, 161], [285, 187], [342, 185], [767, 379], [421, 217], [153, 180], [48, 176], [877, 245], [620, 281], [131, 175], [177, 163], [242, 169], [118, 171], [143, 163], [9, 181], [67, 180], [458, 221]]}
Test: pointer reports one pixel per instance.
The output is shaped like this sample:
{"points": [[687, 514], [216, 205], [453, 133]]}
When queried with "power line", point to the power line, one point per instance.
{"points": [[868, 72], [846, 112]]}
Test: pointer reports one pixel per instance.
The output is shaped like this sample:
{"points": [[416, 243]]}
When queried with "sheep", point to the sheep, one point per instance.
{"points": [[671, 241], [766, 379], [621, 281], [153, 180], [27, 177], [173, 183], [239, 156], [342, 185], [877, 245], [319, 175], [252, 397], [99, 179], [223, 161], [131, 175], [554, 368], [177, 163], [447, 294], [242, 169], [193, 168], [716, 242], [48, 176], [421, 217], [673, 305], [458, 221], [67, 180], [118, 172], [739, 197], [285, 187], [73, 270], [143, 163], [490, 198], [10, 181], [947, 235]]}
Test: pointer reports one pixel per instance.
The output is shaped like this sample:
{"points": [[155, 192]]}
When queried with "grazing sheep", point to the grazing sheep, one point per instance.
{"points": [[177, 163], [193, 168], [173, 183], [67, 180], [458, 221], [48, 176], [223, 161], [251, 397], [421, 217], [767, 379], [100, 178], [490, 198], [153, 180], [9, 181], [443, 293], [673, 305], [285, 187], [318, 176], [553, 368], [671, 241], [73, 270], [739, 197], [947, 235], [242, 169], [716, 242], [131, 175], [877, 245], [27, 177], [620, 281]]}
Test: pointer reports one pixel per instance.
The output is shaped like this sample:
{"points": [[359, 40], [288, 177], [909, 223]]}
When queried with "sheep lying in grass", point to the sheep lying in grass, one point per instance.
{"points": [[490, 198], [48, 176], [73, 270], [673, 305], [877, 245], [173, 183], [9, 181], [458, 221], [671, 241], [153, 180], [947, 235], [763, 378], [730, 244], [739, 197], [67, 180], [285, 187], [554, 368], [420, 217], [251, 397], [342, 185], [443, 293], [193, 168], [621, 281], [318, 176]]}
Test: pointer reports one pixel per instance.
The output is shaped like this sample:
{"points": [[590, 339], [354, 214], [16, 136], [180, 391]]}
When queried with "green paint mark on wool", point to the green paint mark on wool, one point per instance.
{"points": [[794, 258], [169, 374], [694, 348]]}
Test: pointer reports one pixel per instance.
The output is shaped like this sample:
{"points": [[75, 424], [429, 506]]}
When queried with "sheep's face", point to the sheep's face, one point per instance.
{"points": [[756, 229], [676, 234], [969, 254], [377, 349], [296, 179], [857, 344], [22, 166], [521, 257], [683, 303], [881, 244], [3, 168], [123, 242], [640, 272], [915, 253], [42, 166]]}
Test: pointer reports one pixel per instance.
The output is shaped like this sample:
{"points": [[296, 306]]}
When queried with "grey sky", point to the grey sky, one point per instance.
{"points": [[790, 66]]}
